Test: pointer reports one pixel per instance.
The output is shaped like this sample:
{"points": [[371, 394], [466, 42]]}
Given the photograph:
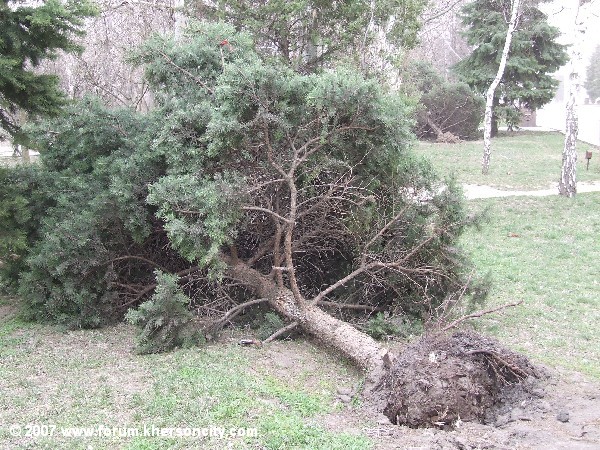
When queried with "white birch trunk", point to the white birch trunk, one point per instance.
{"points": [[179, 18], [567, 184], [489, 102]]}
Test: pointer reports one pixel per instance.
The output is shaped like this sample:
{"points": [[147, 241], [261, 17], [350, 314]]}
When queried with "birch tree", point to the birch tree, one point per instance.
{"points": [[567, 184], [525, 81], [489, 98]]}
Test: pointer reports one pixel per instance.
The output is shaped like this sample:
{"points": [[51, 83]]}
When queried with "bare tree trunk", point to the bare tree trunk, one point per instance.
{"points": [[179, 19], [25, 154], [352, 343], [444, 137], [567, 184], [439, 133], [487, 122], [495, 118]]}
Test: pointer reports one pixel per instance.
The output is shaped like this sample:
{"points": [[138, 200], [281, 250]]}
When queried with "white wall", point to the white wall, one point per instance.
{"points": [[561, 13], [553, 116]]}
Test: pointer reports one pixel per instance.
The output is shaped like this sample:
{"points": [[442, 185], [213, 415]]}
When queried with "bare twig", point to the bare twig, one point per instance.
{"points": [[281, 331], [480, 313], [235, 311], [441, 11], [266, 211], [186, 72], [492, 355], [354, 306], [138, 258], [382, 231]]}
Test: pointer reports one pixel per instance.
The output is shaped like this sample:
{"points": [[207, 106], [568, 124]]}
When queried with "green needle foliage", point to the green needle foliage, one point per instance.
{"points": [[22, 204], [534, 55], [30, 34], [165, 319], [204, 179], [308, 34]]}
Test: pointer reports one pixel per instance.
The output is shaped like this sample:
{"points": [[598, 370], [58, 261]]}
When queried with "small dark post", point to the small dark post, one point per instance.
{"points": [[588, 156]]}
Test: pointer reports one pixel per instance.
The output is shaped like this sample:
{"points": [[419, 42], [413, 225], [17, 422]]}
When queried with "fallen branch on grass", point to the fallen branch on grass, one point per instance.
{"points": [[479, 313]]}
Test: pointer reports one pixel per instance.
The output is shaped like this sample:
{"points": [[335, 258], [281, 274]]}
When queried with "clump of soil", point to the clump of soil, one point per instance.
{"points": [[448, 138], [440, 381]]}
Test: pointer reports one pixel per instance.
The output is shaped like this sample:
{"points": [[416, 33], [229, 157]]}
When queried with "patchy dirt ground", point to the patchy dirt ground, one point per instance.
{"points": [[564, 414], [561, 412]]}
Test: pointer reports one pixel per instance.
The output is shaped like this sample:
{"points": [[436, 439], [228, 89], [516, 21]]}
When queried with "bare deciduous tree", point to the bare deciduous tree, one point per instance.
{"points": [[102, 69], [440, 40], [489, 102], [567, 185]]}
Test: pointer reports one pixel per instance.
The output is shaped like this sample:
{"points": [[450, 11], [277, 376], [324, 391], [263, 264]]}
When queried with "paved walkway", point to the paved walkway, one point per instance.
{"points": [[473, 191]]}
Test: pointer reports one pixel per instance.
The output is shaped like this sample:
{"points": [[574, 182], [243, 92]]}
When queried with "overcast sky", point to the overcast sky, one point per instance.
{"points": [[561, 13]]}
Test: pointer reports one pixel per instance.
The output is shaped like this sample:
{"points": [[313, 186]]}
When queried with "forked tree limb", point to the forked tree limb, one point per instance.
{"points": [[398, 265]]}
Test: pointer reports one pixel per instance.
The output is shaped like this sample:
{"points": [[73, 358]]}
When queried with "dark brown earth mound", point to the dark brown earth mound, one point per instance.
{"points": [[440, 381]]}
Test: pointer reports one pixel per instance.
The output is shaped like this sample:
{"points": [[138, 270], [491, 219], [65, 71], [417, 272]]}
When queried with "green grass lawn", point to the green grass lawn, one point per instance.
{"points": [[542, 250], [93, 378], [520, 160], [546, 252]]}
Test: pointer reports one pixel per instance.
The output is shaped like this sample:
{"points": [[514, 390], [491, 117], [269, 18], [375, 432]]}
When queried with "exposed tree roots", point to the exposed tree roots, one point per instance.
{"points": [[442, 380]]}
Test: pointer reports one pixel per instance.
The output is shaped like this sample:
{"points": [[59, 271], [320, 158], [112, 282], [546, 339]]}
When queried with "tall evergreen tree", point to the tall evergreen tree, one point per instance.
{"points": [[28, 35], [534, 55], [592, 80], [306, 34]]}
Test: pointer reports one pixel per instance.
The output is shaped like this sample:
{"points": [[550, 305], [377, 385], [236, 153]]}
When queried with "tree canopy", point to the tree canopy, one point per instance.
{"points": [[448, 110], [534, 55], [30, 34], [307, 34]]}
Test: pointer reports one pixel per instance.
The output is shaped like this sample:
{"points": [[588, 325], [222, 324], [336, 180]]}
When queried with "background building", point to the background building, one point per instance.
{"points": [[562, 14]]}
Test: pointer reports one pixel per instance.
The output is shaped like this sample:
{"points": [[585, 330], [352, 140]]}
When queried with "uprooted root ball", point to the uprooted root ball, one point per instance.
{"points": [[439, 381]]}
